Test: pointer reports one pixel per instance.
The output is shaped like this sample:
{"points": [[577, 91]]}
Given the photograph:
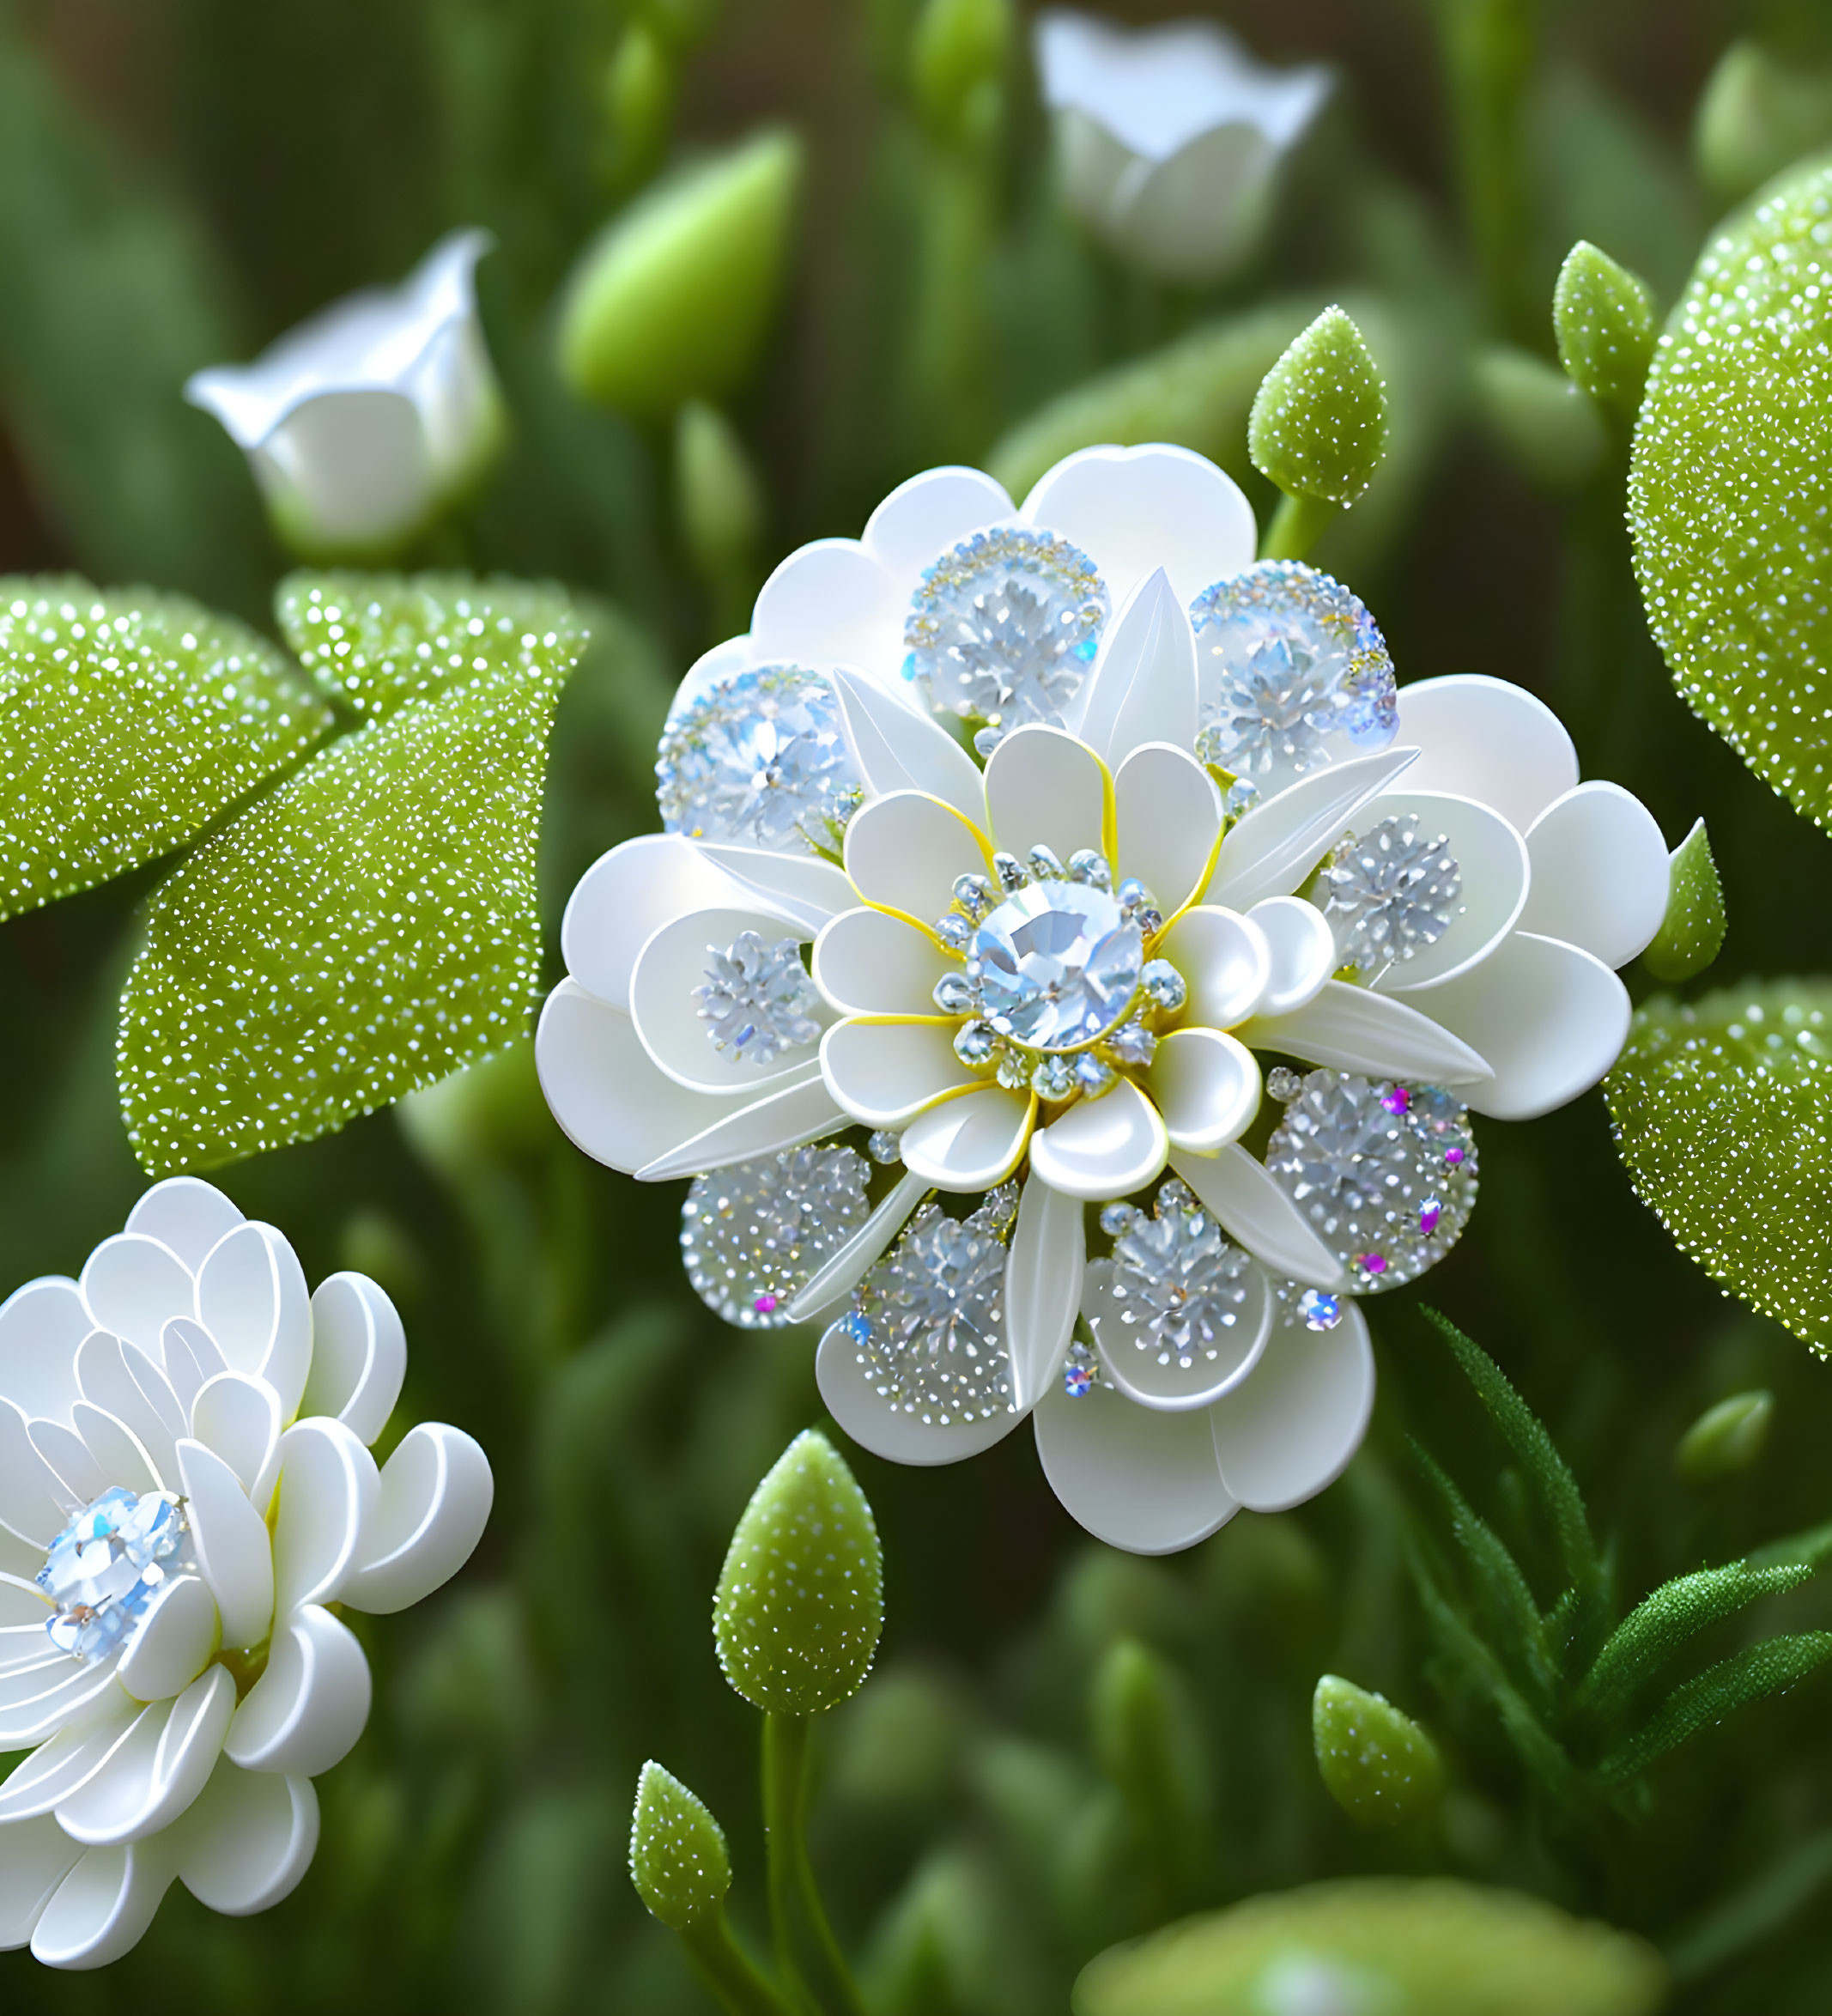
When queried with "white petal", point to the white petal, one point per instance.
{"points": [[435, 1501], [923, 518], [1251, 1208], [906, 850], [1138, 1480], [869, 963], [1169, 818], [35, 1856], [173, 1641], [1492, 857], [1177, 221], [309, 1707], [671, 965], [328, 1487], [104, 1905], [33, 1503], [972, 1142], [896, 748], [1102, 1148], [803, 887], [234, 1554], [1487, 739], [1549, 1019], [885, 1071], [185, 1214], [1143, 687], [120, 1453], [1134, 509], [359, 1354], [1351, 1029], [711, 668], [248, 1839], [1148, 1374], [132, 1285], [1206, 1086], [71, 1756], [239, 1418], [164, 1764], [68, 1453], [844, 1271], [886, 1430], [252, 1299], [1225, 962], [1291, 1429], [41, 1326], [26, 1647], [38, 1702], [1044, 788], [1277, 845], [1600, 876], [802, 1110], [624, 897], [1303, 951], [1043, 1287], [103, 1372], [190, 1356], [830, 603]]}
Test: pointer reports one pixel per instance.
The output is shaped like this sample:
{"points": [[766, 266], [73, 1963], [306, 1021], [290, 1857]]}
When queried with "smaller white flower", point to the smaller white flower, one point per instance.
{"points": [[187, 1499], [1168, 138], [367, 419]]}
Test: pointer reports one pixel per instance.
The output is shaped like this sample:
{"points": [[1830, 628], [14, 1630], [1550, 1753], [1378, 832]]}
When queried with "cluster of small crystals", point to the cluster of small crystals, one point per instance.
{"points": [[368, 927], [755, 1235], [1293, 672], [1003, 628], [1065, 1032], [928, 1322], [1177, 1276], [760, 759], [131, 720], [1384, 1173], [1390, 892], [102, 1572], [757, 997]]}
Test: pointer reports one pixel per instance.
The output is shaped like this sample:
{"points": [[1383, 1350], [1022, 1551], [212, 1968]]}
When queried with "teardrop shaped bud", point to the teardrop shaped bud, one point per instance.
{"points": [[1692, 932], [1759, 113], [1603, 317], [1381, 1768], [1318, 425], [678, 1860], [1725, 1438]]}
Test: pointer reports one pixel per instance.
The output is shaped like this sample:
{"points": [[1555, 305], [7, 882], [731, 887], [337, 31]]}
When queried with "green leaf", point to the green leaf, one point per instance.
{"points": [[1723, 1111], [1761, 110], [1603, 317], [1548, 427], [1810, 1549], [1380, 1768], [1691, 934], [1320, 421], [1746, 1675], [128, 721], [1731, 544], [678, 1860]]}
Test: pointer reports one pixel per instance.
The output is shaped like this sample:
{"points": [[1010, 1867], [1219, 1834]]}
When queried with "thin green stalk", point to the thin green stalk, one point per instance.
{"points": [[728, 1971], [1488, 52], [807, 1954], [1296, 526]]}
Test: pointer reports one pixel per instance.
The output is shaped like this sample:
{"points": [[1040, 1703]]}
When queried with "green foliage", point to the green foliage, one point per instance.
{"points": [[1545, 423], [1719, 1106], [960, 48], [1761, 110], [678, 1860], [716, 500], [1726, 1439], [128, 721], [1691, 934], [1319, 424], [1603, 317], [1381, 1768]]}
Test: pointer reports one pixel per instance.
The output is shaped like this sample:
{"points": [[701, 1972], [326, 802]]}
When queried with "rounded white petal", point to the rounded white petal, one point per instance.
{"points": [[122, 1380], [163, 1765], [905, 851], [888, 1431], [1275, 846], [1488, 739], [427, 1517], [1600, 873], [173, 1641], [309, 1707], [1143, 686], [1206, 1087], [1139, 1480], [33, 1503], [803, 887], [882, 1072], [1549, 1019], [971, 1142], [624, 898], [121, 1456], [35, 1856], [252, 1299], [1352, 1029], [239, 1418], [831, 603], [1492, 857], [844, 1271], [359, 1354], [1197, 215], [248, 1839], [1148, 1374], [662, 1005], [1102, 1148], [185, 1214], [235, 1553], [1291, 1429], [102, 1907], [1303, 953], [133, 1283], [1046, 788], [1134, 509], [1226, 963], [68, 1453], [1250, 1207], [328, 1486], [70, 1757], [897, 749], [869, 963], [190, 1356], [801, 1110], [1168, 814], [1043, 1287], [41, 1325], [923, 516]]}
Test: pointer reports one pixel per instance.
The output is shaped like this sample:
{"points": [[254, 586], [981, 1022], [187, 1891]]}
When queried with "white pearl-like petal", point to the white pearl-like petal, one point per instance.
{"points": [[164, 1764], [968, 1143], [173, 1641], [869, 963], [1488, 739], [1043, 1287], [888, 1431], [248, 1839], [1226, 963], [133, 1283], [1168, 814], [1352, 1029], [35, 1856], [907, 851], [1143, 1481], [1492, 858], [1303, 953], [309, 1707], [33, 1503], [41, 1325], [426, 1517], [234, 1552], [1043, 787], [801, 1110], [882, 1071], [1277, 845], [1143, 687], [1291, 1429], [1206, 1086], [239, 1419], [328, 1487], [252, 1299], [843, 1272], [1102, 1148], [926, 515], [624, 898], [359, 1354], [103, 1906], [1251, 1208], [897, 749], [80, 1746], [1600, 873], [185, 1214], [830, 603]]}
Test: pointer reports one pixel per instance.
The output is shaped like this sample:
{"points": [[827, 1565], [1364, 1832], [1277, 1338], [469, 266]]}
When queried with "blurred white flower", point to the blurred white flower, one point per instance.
{"points": [[185, 1491], [369, 419], [1168, 139]]}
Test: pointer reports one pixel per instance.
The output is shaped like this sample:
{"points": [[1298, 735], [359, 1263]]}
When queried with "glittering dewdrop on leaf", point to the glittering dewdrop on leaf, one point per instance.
{"points": [[754, 1234], [756, 998], [1390, 892]]}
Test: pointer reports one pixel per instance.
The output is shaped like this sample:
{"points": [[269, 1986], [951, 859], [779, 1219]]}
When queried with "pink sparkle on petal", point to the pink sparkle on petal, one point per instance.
{"points": [[1396, 1101], [765, 1305], [1375, 1263], [1453, 1156]]}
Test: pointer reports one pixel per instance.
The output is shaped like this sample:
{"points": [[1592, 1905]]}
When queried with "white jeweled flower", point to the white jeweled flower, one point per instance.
{"points": [[1168, 139], [187, 1492], [1207, 830], [367, 419]]}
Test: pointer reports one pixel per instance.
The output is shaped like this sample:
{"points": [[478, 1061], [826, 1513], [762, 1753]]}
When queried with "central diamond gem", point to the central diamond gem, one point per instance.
{"points": [[1058, 965], [104, 1569]]}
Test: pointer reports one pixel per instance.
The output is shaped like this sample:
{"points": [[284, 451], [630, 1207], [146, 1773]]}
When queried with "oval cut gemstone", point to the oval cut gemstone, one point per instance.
{"points": [[1058, 965], [104, 1569]]}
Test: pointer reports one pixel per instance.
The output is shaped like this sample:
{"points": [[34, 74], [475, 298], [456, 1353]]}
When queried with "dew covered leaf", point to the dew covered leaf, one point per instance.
{"points": [[1731, 484], [128, 721], [1723, 1113]]}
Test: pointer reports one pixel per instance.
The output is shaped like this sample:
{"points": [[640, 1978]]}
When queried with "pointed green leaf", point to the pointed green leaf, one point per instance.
{"points": [[128, 721], [1318, 424], [1723, 1112], [1380, 1768], [1603, 317], [1720, 1689], [1725, 1438], [1810, 1549], [1691, 934], [678, 1860]]}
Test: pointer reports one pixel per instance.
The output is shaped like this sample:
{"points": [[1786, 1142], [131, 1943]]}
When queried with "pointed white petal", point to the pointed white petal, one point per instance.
{"points": [[922, 519], [102, 1373], [132, 1285], [164, 1764], [1169, 816], [905, 851], [886, 1430], [24, 1646], [972, 1142], [190, 1356], [235, 1553], [239, 1418], [1225, 961], [1290, 1431], [103, 1906], [1046, 788], [430, 1513], [883, 1073], [1492, 859], [897, 749], [328, 1488], [1251, 1208], [1102, 1148], [803, 887], [830, 603], [842, 1274], [185, 1214], [310, 1705], [802, 1110], [1303, 953], [624, 897], [248, 1839], [1043, 1287], [33, 1501], [71, 1756], [68, 1453], [173, 1641], [1351, 1029], [1206, 1087], [1143, 687], [1142, 1480], [1600, 878], [252, 1299], [1280, 841], [35, 1856], [1152, 1377], [1488, 739], [869, 963], [121, 1455], [37, 1702], [41, 1325]]}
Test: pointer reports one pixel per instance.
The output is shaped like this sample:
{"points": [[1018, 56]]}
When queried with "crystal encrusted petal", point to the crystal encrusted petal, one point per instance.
{"points": [[755, 1235], [1390, 892], [757, 998]]}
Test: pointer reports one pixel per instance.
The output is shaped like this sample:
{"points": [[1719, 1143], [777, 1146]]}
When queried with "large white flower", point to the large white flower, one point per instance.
{"points": [[185, 1491], [368, 419], [1168, 138], [1207, 830]]}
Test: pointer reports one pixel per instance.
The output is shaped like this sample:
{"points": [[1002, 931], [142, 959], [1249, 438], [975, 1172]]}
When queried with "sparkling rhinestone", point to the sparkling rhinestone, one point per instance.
{"points": [[1043, 865], [1133, 1043], [753, 1235], [104, 1569], [1056, 964], [760, 759], [1240, 798], [975, 895], [1453, 1156], [1364, 1175], [1004, 627], [1320, 1310], [1093, 1075], [1283, 1084], [1390, 892], [1396, 1099], [1293, 672], [954, 993], [1163, 981], [1081, 1371], [1012, 873], [1116, 1218], [1086, 866], [1053, 1078], [757, 998], [955, 930], [975, 1044], [1132, 894], [1176, 1280], [1000, 1206], [884, 1147], [1013, 1069], [986, 740]]}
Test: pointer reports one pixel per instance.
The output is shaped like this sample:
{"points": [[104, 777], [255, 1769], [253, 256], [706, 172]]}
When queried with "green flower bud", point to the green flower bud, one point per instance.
{"points": [[1381, 1768], [640, 91], [1725, 1438], [801, 1598], [1603, 317], [1691, 934], [716, 494], [1758, 114], [673, 300], [678, 1860], [958, 47], [1318, 425], [1543, 421]]}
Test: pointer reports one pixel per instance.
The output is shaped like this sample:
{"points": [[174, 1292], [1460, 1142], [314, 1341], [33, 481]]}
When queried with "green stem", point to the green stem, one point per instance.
{"points": [[1296, 526], [1488, 52], [728, 1971], [807, 1952]]}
